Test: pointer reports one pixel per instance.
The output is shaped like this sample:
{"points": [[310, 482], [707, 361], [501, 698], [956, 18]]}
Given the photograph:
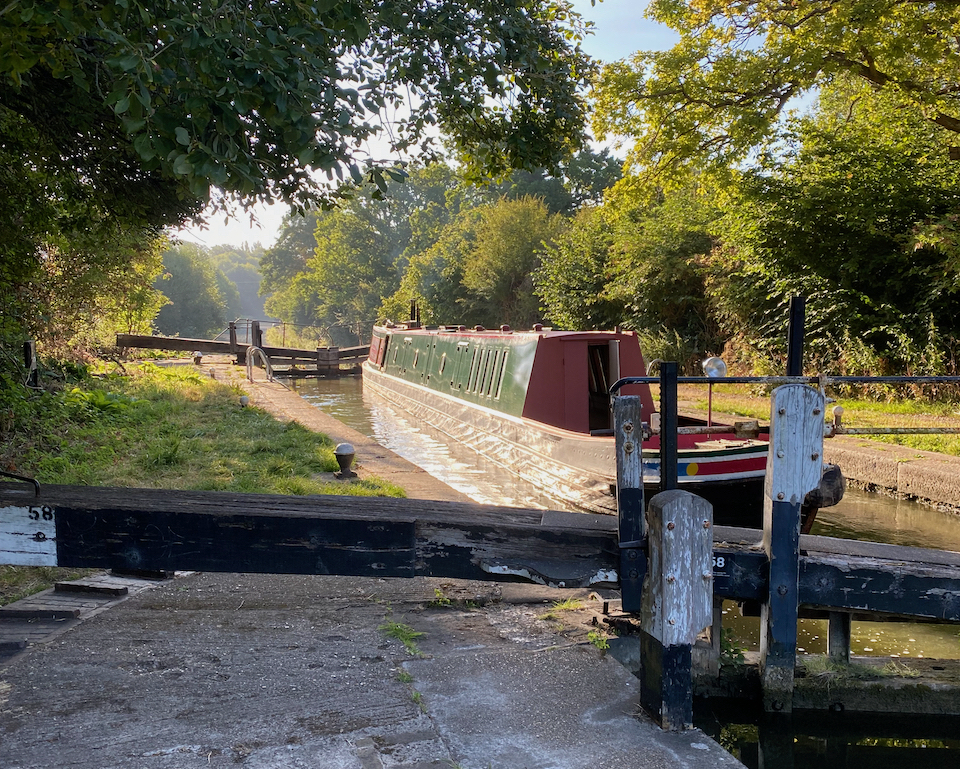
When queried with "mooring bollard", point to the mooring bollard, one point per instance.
{"points": [[677, 603], [794, 467]]}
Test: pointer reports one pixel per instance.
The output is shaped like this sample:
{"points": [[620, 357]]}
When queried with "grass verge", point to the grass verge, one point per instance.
{"points": [[157, 427]]}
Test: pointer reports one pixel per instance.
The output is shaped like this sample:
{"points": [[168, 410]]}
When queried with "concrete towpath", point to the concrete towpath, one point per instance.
{"points": [[372, 458], [279, 671], [273, 672]]}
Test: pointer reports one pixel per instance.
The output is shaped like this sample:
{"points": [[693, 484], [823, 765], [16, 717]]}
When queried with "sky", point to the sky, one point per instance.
{"points": [[620, 30]]}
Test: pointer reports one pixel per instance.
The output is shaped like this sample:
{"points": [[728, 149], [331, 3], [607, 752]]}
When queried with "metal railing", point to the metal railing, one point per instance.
{"points": [[253, 352], [823, 381]]}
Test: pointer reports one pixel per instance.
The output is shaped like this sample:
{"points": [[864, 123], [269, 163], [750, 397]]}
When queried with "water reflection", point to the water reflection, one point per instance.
{"points": [[480, 478], [859, 516], [879, 518], [839, 741]]}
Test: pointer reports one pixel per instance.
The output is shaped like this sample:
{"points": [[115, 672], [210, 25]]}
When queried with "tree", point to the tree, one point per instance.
{"points": [[289, 255], [433, 278], [579, 181], [196, 306], [241, 267], [81, 297], [350, 274], [638, 262], [849, 218], [139, 113], [327, 276], [258, 98], [574, 275], [498, 272], [65, 256], [720, 91]]}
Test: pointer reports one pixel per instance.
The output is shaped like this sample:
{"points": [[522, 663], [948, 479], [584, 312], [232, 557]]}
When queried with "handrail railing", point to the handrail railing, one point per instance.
{"points": [[830, 430], [824, 381], [252, 353]]}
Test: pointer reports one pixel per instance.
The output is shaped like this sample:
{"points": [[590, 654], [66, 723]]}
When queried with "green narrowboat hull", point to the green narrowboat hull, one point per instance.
{"points": [[478, 387]]}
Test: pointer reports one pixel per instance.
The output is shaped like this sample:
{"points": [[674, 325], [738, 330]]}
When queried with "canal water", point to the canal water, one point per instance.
{"points": [[860, 515], [844, 742]]}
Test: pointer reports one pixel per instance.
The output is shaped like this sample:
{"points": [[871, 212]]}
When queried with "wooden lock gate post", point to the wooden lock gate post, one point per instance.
{"points": [[794, 467], [677, 603], [666, 572]]}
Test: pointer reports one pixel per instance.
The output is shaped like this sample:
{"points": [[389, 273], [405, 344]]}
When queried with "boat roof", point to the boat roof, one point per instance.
{"points": [[537, 331]]}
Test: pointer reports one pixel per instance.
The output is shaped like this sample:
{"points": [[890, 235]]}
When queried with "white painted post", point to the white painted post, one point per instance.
{"points": [[28, 535], [677, 602]]}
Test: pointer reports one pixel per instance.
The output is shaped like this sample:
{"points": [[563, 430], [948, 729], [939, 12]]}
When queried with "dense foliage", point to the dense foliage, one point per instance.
{"points": [[118, 117], [850, 219], [720, 91], [255, 98], [461, 253], [195, 304]]}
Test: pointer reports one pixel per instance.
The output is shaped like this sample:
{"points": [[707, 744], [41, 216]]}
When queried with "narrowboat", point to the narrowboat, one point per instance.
{"points": [[537, 402]]}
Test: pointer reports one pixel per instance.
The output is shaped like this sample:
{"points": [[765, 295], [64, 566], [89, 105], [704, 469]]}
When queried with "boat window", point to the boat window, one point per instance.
{"points": [[474, 365], [503, 367], [482, 375], [493, 362]]}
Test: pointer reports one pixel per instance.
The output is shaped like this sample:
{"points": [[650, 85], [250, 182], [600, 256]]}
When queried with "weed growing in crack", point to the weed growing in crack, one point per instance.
{"points": [[404, 634]]}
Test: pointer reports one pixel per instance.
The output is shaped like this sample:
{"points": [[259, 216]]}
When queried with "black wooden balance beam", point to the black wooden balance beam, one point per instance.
{"points": [[159, 529]]}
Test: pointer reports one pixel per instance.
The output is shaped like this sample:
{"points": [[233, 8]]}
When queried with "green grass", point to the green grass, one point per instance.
{"points": [[417, 697], [167, 428], [171, 428], [569, 604], [598, 639]]}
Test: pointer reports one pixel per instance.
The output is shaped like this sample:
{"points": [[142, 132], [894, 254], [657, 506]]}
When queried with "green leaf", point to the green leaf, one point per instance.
{"points": [[183, 136], [144, 147], [182, 166]]}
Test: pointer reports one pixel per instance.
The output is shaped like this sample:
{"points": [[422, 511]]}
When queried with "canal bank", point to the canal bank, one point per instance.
{"points": [[931, 478], [334, 672]]}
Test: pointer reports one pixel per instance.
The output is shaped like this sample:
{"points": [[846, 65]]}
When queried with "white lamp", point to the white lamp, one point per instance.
{"points": [[714, 368]]}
